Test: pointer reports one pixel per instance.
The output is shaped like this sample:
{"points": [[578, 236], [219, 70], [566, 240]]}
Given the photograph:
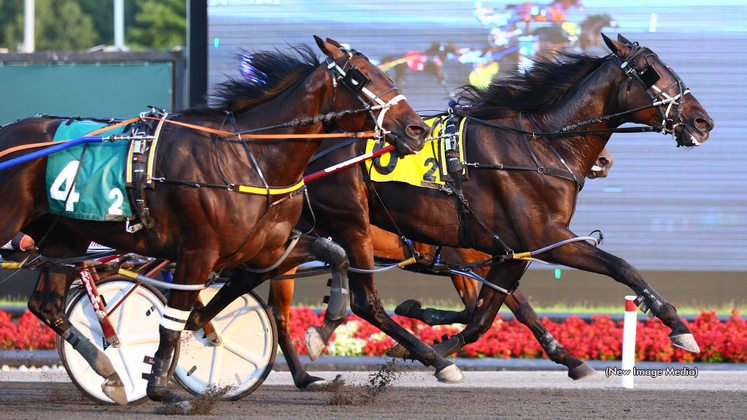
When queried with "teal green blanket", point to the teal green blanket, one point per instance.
{"points": [[98, 193]]}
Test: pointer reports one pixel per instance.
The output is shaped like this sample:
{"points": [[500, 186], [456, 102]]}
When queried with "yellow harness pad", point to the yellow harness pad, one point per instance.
{"points": [[421, 170]]}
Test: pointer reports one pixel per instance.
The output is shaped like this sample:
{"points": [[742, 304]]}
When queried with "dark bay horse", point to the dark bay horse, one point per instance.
{"points": [[220, 200], [579, 101], [389, 245]]}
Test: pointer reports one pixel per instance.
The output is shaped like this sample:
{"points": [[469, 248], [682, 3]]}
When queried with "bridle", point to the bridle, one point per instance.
{"points": [[647, 76], [354, 80]]}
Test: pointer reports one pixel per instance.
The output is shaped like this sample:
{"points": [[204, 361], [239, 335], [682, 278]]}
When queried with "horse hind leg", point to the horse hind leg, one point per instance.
{"points": [[281, 293], [337, 303], [47, 303], [467, 289], [525, 314]]}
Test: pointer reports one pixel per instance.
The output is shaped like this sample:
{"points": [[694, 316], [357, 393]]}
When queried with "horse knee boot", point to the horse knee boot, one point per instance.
{"points": [[328, 251]]}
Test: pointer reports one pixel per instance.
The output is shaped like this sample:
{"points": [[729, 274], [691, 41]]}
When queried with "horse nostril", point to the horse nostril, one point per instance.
{"points": [[603, 161], [703, 124], [415, 130]]}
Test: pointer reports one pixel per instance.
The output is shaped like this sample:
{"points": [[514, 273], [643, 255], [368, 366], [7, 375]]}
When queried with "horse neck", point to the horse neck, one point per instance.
{"points": [[591, 98], [307, 98]]}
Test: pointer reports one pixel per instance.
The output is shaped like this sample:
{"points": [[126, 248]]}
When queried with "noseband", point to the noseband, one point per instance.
{"points": [[355, 81]]}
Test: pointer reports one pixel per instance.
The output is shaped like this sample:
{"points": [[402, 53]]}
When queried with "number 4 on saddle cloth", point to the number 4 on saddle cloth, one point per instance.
{"points": [[88, 181], [434, 166]]}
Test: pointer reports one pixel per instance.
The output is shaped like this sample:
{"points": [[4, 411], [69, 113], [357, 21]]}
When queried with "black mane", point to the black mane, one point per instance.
{"points": [[537, 89], [264, 75]]}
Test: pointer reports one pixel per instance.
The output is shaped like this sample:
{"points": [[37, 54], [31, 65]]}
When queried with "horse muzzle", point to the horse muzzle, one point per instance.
{"points": [[412, 140], [695, 133]]}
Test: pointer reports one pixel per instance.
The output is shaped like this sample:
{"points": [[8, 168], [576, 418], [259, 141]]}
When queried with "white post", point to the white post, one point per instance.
{"points": [[628, 351], [119, 25], [28, 26]]}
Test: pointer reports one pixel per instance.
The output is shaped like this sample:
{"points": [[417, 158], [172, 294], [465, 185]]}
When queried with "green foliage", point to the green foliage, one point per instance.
{"points": [[158, 24], [62, 25], [82, 24], [11, 23]]}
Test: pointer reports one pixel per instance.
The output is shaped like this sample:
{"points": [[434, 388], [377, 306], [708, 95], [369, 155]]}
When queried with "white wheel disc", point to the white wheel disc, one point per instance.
{"points": [[136, 322], [244, 357]]}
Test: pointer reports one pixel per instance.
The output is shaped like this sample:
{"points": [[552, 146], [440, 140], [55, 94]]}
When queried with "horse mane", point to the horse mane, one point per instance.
{"points": [[537, 89], [265, 74]]}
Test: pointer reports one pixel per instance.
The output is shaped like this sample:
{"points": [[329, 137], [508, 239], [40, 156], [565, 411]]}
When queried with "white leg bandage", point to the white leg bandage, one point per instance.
{"points": [[174, 319]]}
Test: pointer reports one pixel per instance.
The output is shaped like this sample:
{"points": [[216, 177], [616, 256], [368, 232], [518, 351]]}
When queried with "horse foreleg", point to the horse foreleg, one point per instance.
{"points": [[488, 303], [467, 289], [525, 314], [584, 256], [337, 303], [47, 303], [486, 308], [281, 293], [175, 315]]}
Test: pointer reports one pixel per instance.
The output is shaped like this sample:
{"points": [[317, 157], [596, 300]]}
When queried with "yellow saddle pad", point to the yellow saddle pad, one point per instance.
{"points": [[422, 170]]}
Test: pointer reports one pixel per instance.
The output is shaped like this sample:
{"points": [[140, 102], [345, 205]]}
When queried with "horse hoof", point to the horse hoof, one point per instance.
{"points": [[581, 371], [404, 308], [162, 394], [314, 342], [450, 375], [114, 389], [686, 342], [398, 351], [317, 386]]}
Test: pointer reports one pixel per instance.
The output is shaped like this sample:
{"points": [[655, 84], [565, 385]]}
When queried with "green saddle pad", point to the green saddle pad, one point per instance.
{"points": [[98, 193]]}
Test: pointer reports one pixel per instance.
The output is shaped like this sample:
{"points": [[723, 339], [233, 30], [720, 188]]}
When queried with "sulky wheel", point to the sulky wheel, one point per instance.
{"points": [[239, 358], [136, 322]]}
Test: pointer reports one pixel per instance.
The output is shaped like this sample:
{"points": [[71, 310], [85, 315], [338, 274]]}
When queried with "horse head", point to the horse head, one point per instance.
{"points": [[367, 86], [655, 95]]}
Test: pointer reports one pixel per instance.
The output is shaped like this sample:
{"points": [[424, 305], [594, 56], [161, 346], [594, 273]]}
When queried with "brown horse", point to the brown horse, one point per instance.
{"points": [[389, 245], [528, 138], [220, 200]]}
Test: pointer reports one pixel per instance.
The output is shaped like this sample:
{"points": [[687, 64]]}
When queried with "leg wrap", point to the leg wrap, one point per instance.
{"points": [[337, 307], [174, 319], [651, 303], [433, 316], [549, 344], [93, 355], [161, 362], [159, 372]]}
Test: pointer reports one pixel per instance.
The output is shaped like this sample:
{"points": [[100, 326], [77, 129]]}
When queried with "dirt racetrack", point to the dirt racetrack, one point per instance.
{"points": [[61, 400]]}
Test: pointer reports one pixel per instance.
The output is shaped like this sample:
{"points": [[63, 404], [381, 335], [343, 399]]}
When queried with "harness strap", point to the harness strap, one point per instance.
{"points": [[579, 186], [247, 189], [30, 146], [363, 134], [547, 170]]}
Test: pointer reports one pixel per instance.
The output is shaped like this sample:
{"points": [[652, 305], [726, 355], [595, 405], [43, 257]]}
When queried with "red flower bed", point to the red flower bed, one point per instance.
{"points": [[28, 334], [601, 339]]}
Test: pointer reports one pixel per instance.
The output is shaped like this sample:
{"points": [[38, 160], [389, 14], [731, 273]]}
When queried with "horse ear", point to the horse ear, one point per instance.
{"points": [[333, 42], [616, 47], [328, 48], [623, 39]]}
